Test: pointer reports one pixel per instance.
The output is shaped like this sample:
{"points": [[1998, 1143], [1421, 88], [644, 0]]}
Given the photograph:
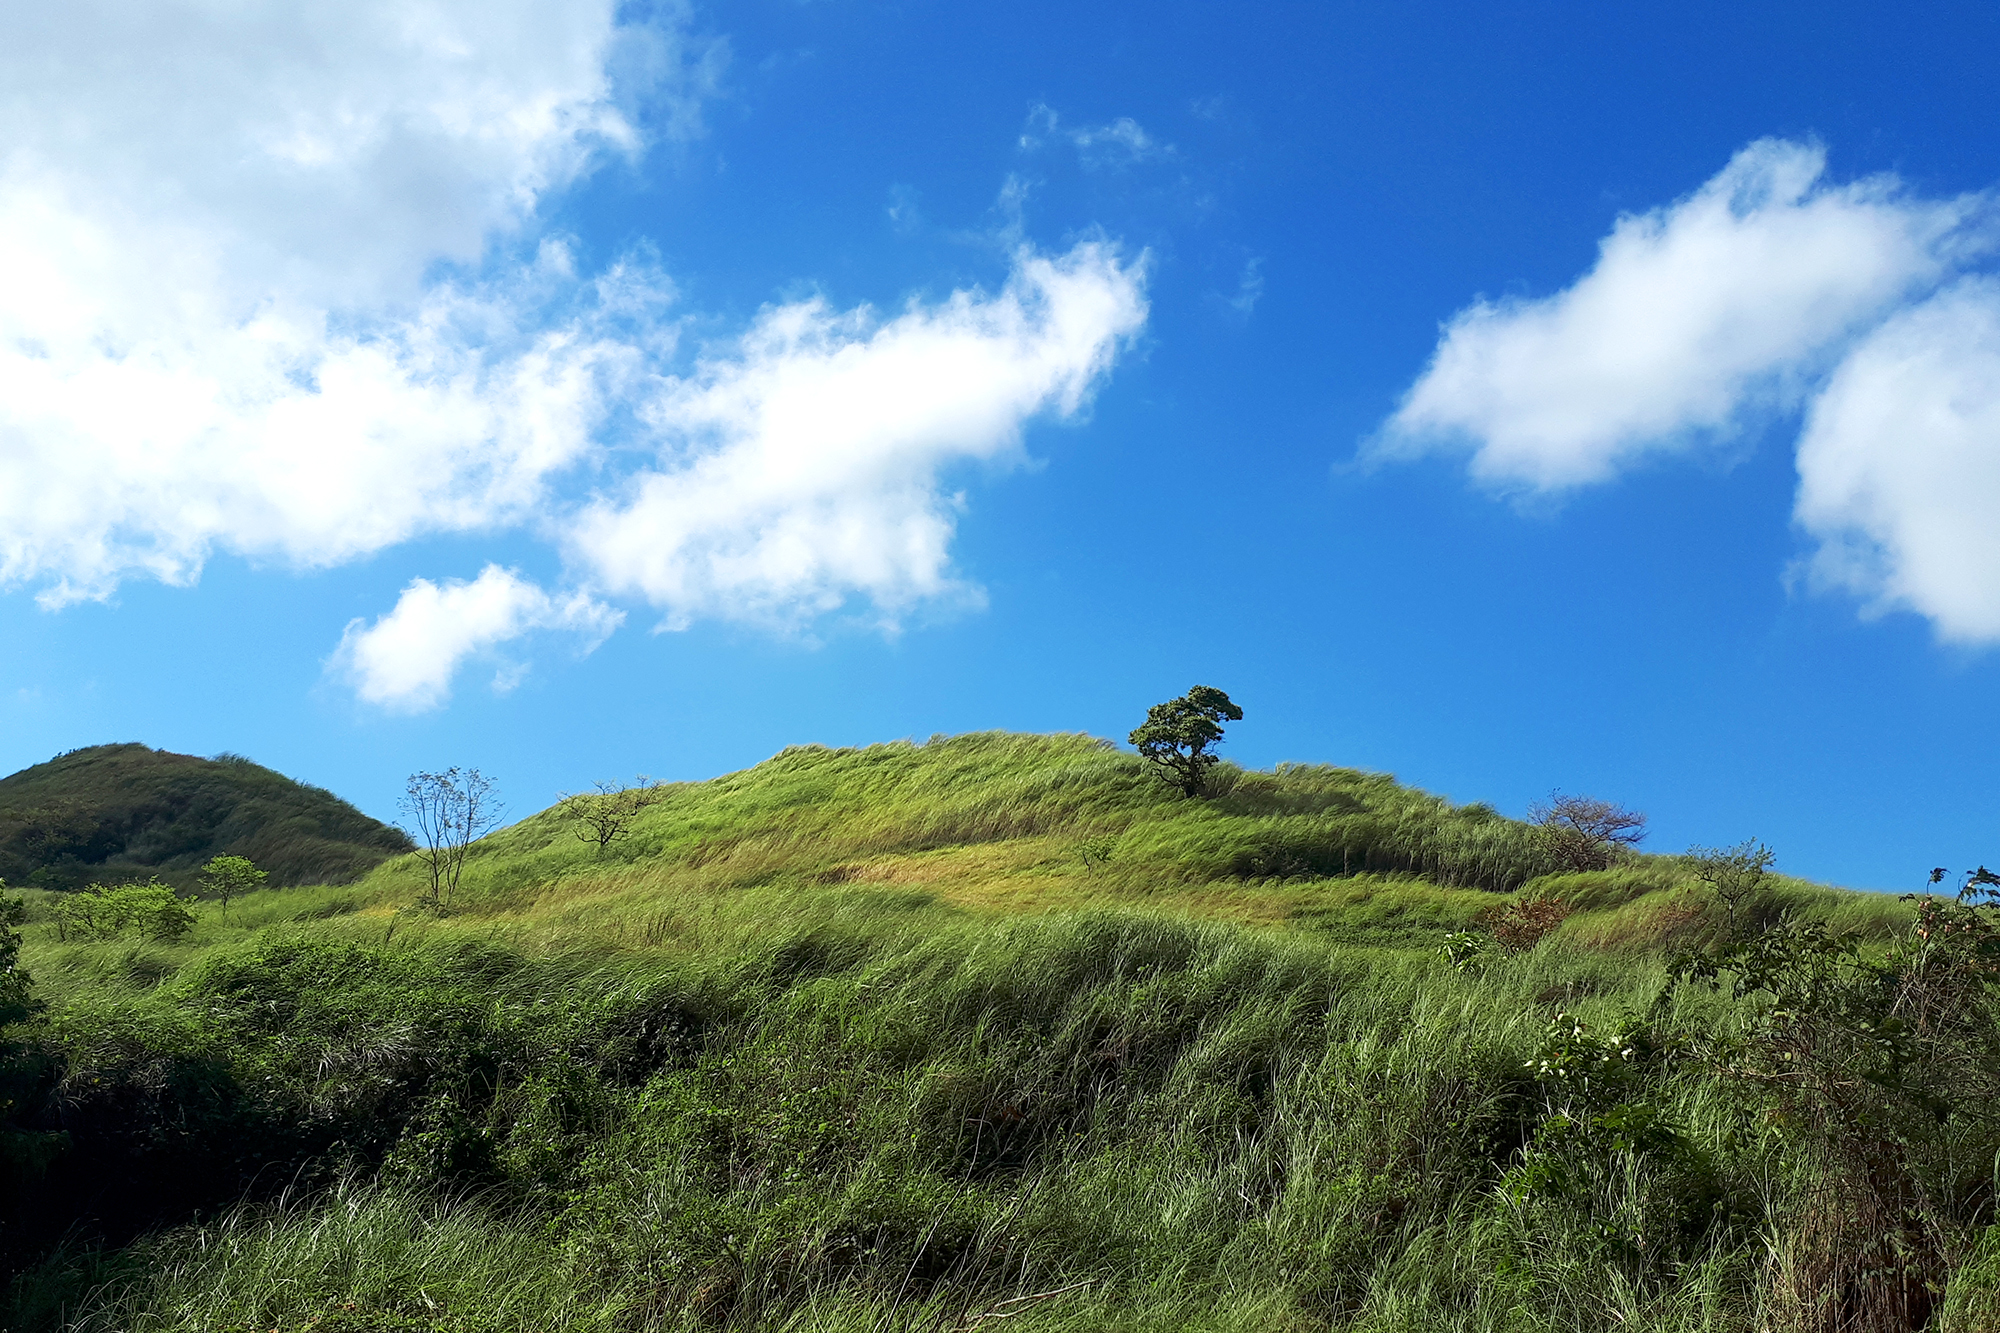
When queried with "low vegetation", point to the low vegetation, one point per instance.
{"points": [[1003, 1030]]}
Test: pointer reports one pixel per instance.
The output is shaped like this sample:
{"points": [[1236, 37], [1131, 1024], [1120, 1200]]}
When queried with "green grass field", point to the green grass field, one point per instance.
{"points": [[995, 1031]]}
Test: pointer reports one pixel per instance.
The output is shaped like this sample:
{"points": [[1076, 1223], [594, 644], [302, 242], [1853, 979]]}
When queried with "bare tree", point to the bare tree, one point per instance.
{"points": [[1584, 833], [448, 812], [1733, 874], [605, 815]]}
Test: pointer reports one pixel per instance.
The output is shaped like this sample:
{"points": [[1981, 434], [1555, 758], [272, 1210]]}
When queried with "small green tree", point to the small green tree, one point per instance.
{"points": [[1177, 736], [227, 877], [1732, 874], [104, 912]]}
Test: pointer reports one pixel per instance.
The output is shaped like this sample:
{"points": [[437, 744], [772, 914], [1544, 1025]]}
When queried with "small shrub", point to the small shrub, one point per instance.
{"points": [[1465, 949], [1520, 925], [1885, 1072], [1735, 875]]}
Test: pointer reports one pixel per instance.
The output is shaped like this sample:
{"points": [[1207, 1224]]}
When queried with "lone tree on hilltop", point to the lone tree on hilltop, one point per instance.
{"points": [[1177, 735], [605, 815], [448, 812], [1584, 833], [228, 876]]}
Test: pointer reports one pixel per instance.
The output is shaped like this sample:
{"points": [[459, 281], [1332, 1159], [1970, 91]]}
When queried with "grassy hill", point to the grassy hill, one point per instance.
{"points": [[114, 812], [998, 1029]]}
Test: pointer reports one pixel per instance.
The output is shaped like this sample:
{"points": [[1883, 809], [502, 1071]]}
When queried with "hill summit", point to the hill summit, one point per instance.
{"points": [[114, 812]]}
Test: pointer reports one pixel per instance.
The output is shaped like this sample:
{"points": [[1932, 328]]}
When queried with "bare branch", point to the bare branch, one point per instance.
{"points": [[448, 812], [605, 815], [1584, 833]]}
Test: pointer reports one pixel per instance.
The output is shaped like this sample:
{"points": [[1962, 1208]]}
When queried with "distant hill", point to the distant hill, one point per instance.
{"points": [[116, 812]]}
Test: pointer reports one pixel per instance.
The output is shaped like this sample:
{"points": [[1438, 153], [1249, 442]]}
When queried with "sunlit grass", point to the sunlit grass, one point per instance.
{"points": [[912, 1037], [990, 824]]}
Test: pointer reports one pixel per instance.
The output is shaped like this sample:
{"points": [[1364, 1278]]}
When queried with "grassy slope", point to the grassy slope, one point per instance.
{"points": [[1010, 823], [115, 812], [880, 1037], [993, 824]]}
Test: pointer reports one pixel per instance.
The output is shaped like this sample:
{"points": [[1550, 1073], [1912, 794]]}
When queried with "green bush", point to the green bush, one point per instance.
{"points": [[152, 910]]}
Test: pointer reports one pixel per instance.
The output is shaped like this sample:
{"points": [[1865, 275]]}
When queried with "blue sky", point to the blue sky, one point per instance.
{"points": [[1569, 397]]}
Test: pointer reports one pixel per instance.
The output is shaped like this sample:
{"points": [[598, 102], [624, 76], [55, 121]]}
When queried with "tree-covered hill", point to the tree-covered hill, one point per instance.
{"points": [[111, 812]]}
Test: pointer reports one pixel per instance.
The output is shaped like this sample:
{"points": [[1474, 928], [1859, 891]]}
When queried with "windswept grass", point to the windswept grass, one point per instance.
{"points": [[851, 1120], [991, 1030]]}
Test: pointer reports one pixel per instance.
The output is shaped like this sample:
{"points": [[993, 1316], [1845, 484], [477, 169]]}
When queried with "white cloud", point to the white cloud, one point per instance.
{"points": [[1899, 465], [407, 658], [215, 228], [804, 466], [801, 467], [1694, 315], [275, 281]]}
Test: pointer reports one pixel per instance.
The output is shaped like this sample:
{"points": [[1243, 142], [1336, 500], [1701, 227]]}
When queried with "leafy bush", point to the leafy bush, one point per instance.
{"points": [[1885, 1073], [1465, 949], [16, 987], [97, 912]]}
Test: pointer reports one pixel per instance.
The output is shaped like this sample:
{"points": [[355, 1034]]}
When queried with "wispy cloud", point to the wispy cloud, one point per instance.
{"points": [[1119, 143], [1249, 288], [906, 214]]}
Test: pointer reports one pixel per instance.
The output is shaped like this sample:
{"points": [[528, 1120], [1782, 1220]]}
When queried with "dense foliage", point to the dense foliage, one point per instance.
{"points": [[114, 812], [1178, 736], [100, 912]]}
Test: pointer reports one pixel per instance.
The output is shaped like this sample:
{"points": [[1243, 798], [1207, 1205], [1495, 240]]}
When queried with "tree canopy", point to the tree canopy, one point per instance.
{"points": [[1178, 736]]}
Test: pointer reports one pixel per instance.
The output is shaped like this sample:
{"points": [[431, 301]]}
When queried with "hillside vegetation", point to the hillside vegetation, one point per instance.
{"points": [[1000, 1030], [114, 812]]}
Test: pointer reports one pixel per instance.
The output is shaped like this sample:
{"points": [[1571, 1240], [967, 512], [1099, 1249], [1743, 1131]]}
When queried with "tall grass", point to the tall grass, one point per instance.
{"points": [[858, 1123], [815, 808], [750, 1070]]}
